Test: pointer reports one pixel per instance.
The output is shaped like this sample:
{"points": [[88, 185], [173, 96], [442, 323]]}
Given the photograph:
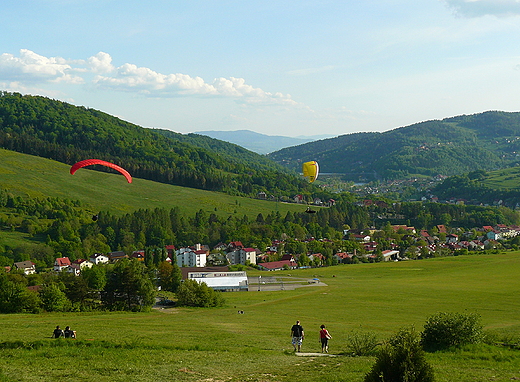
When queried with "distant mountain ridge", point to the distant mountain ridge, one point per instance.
{"points": [[456, 145], [259, 143]]}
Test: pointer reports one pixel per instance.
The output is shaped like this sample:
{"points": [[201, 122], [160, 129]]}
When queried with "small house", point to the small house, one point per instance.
{"points": [[28, 267]]}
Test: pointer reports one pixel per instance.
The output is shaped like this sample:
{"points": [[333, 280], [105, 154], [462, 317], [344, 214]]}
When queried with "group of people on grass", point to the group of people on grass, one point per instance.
{"points": [[298, 334], [67, 333]]}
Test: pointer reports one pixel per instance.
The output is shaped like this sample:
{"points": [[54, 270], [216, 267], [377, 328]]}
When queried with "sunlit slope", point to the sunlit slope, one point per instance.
{"points": [[39, 177]]}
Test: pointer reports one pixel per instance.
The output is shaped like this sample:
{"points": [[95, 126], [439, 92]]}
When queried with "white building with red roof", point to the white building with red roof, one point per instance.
{"points": [[61, 263]]}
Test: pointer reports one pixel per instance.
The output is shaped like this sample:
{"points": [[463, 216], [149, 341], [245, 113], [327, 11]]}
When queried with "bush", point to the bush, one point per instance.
{"points": [[443, 330], [401, 359], [191, 293], [361, 343]]}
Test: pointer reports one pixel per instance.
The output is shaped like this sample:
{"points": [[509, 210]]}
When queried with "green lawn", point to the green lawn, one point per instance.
{"points": [[181, 344]]}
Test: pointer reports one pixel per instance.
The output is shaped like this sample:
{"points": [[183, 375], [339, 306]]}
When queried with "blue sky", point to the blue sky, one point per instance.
{"points": [[275, 67]]}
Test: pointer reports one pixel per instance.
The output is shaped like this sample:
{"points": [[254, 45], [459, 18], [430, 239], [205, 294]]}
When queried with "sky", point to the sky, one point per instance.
{"points": [[284, 67]]}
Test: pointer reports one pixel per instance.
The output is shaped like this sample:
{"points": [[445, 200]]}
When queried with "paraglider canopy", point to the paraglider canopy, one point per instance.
{"points": [[310, 170], [89, 162]]}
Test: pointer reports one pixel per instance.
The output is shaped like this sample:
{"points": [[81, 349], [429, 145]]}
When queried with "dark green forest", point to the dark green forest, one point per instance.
{"points": [[66, 133]]}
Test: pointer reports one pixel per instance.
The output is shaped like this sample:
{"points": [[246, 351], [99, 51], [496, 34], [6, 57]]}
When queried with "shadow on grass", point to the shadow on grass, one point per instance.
{"points": [[65, 343]]}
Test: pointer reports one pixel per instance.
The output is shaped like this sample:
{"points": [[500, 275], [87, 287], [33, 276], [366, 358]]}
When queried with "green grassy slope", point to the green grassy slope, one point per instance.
{"points": [[39, 177], [508, 178], [188, 344]]}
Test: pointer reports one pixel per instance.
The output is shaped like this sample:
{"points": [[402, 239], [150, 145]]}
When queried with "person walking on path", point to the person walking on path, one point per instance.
{"points": [[297, 336], [324, 338]]}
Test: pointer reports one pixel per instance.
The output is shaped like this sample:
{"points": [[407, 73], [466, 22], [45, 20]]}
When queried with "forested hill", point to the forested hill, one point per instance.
{"points": [[67, 133], [451, 146]]}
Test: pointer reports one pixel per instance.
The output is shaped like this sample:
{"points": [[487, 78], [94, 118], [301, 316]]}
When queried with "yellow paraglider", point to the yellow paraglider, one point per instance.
{"points": [[310, 170]]}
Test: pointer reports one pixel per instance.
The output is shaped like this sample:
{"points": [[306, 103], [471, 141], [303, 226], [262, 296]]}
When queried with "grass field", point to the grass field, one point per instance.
{"points": [[188, 344], [504, 179], [39, 177]]}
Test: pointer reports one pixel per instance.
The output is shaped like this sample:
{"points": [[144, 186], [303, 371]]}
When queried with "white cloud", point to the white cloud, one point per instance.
{"points": [[31, 67], [131, 78], [478, 8], [101, 63]]}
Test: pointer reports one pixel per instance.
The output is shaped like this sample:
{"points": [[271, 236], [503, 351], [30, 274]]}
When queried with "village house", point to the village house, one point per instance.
{"points": [[441, 228], [361, 238], [343, 257], [389, 255], [99, 258], [370, 246], [74, 269], [139, 255], [116, 256], [220, 247], [28, 267], [83, 263], [234, 245], [316, 258], [452, 238], [410, 230], [78, 265], [170, 250], [61, 263], [493, 235], [278, 265]]}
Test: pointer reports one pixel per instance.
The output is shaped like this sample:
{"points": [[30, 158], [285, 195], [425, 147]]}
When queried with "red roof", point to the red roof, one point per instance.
{"points": [[441, 228], [236, 244], [62, 261], [278, 264]]}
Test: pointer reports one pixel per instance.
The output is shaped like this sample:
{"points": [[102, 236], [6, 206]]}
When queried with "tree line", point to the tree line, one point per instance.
{"points": [[62, 227]]}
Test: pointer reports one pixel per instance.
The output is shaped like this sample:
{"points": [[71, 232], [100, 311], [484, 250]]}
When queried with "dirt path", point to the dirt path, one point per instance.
{"points": [[315, 355]]}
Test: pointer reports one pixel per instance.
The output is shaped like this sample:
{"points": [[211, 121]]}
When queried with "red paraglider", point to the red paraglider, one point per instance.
{"points": [[89, 162]]}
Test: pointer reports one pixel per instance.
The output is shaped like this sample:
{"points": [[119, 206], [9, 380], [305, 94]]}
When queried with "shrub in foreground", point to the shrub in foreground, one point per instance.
{"points": [[401, 359], [443, 330], [361, 343]]}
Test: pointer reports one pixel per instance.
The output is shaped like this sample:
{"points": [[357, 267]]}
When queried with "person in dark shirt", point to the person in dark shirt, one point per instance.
{"points": [[69, 333], [57, 333], [297, 336]]}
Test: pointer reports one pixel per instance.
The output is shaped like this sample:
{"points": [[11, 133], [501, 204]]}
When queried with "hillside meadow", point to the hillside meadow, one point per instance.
{"points": [[507, 178], [195, 344], [34, 176]]}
